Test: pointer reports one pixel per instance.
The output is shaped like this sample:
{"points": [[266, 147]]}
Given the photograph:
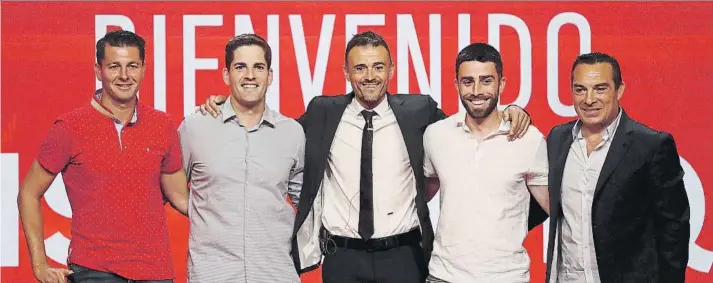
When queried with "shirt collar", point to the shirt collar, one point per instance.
{"points": [[380, 109], [503, 128], [228, 113], [606, 135], [99, 106]]}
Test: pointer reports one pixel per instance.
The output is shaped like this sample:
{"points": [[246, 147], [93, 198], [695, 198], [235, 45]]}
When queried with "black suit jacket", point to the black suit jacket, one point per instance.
{"points": [[640, 211], [413, 114], [320, 120]]}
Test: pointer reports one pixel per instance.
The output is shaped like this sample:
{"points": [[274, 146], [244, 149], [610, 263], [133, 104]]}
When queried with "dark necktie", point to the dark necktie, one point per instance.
{"points": [[366, 182]]}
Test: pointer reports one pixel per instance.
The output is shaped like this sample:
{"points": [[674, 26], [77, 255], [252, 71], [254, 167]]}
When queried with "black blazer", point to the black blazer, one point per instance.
{"points": [[640, 211], [320, 120]]}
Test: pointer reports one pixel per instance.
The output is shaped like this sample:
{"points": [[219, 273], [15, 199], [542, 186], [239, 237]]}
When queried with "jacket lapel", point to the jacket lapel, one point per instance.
{"points": [[401, 113], [333, 114], [558, 166], [619, 146]]}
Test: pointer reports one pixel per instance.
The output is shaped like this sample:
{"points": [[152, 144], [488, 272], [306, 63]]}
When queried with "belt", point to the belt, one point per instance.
{"points": [[411, 238]]}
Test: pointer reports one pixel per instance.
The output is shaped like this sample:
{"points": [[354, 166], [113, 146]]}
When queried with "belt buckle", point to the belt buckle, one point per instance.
{"points": [[381, 244]]}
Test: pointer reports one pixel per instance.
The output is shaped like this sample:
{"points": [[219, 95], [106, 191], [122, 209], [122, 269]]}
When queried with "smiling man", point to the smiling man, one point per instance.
{"points": [[115, 155], [363, 206], [619, 209], [485, 180], [242, 165]]}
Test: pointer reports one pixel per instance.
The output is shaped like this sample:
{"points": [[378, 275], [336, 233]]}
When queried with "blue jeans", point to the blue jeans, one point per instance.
{"points": [[85, 275]]}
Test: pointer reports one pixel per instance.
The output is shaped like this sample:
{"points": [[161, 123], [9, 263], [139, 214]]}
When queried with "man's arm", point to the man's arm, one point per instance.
{"points": [[433, 184], [175, 189], [436, 114], [671, 211], [536, 181], [519, 121], [294, 185], [542, 196], [36, 183], [53, 156], [304, 118], [173, 179], [211, 105]]}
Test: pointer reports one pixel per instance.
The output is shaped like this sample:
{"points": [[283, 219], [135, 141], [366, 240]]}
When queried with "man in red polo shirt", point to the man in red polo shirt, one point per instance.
{"points": [[118, 159]]}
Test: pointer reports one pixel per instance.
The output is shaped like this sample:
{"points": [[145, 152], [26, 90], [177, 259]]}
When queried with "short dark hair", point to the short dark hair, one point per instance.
{"points": [[596, 57], [121, 38], [367, 38], [247, 39], [480, 52]]}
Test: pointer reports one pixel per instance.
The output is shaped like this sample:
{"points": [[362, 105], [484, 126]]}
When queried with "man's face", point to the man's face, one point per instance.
{"points": [[479, 87], [595, 98], [369, 71], [121, 72], [248, 76]]}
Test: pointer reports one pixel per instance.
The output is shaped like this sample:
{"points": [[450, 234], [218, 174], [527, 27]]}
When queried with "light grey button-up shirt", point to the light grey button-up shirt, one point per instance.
{"points": [[240, 219]]}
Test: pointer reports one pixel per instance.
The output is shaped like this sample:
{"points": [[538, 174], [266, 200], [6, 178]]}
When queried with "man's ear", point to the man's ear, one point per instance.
{"points": [[620, 91], [226, 76], [98, 71], [346, 73]]}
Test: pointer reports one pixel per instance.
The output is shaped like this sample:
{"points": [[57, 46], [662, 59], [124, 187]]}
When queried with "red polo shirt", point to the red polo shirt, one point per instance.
{"points": [[112, 181]]}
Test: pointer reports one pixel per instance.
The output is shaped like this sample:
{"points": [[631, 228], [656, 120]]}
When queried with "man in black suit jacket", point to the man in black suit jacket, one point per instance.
{"points": [[371, 221], [363, 201], [618, 206]]}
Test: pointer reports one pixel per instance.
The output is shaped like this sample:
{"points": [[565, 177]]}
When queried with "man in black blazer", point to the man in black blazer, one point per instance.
{"points": [[363, 197], [618, 206], [363, 201]]}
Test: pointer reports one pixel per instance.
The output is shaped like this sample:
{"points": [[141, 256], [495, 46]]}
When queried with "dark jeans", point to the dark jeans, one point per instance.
{"points": [[85, 275]]}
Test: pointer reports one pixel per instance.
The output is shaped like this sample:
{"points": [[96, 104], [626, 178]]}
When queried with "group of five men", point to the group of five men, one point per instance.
{"points": [[359, 169]]}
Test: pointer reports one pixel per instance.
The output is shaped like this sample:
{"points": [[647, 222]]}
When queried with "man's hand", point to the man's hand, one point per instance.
{"points": [[211, 105], [47, 274], [519, 120]]}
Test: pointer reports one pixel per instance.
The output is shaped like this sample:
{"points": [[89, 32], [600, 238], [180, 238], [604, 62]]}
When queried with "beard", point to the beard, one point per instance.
{"points": [[482, 112]]}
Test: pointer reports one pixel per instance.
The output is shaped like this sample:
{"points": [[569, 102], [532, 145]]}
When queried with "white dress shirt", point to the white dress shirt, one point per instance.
{"points": [[394, 183]]}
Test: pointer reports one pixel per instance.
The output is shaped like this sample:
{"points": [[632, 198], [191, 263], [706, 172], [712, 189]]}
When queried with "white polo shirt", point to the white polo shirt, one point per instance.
{"points": [[484, 200]]}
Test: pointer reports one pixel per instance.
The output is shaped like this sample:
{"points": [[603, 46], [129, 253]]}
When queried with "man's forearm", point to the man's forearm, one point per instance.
{"points": [[32, 224], [175, 189], [433, 184], [177, 196], [180, 204]]}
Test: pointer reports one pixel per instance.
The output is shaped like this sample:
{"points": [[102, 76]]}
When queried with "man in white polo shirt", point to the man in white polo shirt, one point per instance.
{"points": [[485, 180]]}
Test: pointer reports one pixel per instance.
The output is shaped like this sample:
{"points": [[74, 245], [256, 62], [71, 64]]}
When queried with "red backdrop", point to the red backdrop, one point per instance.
{"points": [[48, 52]]}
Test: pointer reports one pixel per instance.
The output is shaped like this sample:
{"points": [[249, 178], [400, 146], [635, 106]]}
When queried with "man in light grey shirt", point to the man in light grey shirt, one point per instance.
{"points": [[242, 166]]}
